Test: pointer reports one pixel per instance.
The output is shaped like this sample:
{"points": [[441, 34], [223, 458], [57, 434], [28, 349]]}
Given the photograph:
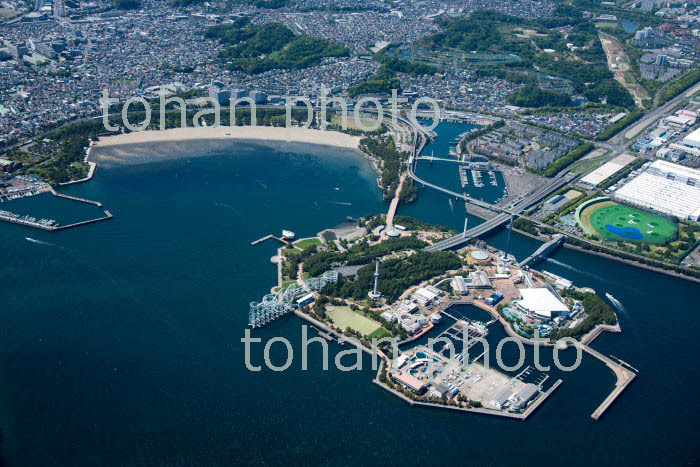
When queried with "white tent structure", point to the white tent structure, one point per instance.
{"points": [[541, 303]]}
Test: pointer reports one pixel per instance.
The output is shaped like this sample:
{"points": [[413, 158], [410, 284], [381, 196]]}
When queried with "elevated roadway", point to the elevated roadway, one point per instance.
{"points": [[543, 250], [501, 219]]}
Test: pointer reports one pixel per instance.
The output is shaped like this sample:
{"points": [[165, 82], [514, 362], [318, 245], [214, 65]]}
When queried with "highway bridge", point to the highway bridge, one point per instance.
{"points": [[543, 251], [501, 219], [503, 213], [476, 202], [474, 232]]}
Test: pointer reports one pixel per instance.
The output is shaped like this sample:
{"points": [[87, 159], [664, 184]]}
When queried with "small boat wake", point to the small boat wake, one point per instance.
{"points": [[230, 208], [617, 304], [571, 268], [38, 242], [342, 203]]}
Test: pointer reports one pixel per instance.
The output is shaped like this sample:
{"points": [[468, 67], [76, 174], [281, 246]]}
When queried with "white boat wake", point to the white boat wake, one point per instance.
{"points": [[617, 304], [230, 208], [39, 242], [571, 268]]}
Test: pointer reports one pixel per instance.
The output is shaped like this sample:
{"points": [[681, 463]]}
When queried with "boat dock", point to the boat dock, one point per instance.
{"points": [[463, 176], [268, 237], [27, 223]]}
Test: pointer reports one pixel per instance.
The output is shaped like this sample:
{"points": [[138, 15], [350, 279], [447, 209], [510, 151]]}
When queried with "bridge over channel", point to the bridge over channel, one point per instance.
{"points": [[503, 215], [498, 220], [543, 251]]}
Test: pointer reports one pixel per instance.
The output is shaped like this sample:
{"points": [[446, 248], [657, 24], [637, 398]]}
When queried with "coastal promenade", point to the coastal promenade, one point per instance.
{"points": [[92, 166]]}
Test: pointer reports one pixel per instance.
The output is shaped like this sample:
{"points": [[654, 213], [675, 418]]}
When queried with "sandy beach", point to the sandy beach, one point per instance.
{"points": [[150, 146], [265, 133]]}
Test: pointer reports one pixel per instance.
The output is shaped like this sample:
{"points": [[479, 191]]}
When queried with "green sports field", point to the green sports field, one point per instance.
{"points": [[618, 222], [344, 317]]}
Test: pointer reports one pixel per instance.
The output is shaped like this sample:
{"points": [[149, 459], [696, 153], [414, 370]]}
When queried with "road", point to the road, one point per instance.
{"points": [[501, 219]]}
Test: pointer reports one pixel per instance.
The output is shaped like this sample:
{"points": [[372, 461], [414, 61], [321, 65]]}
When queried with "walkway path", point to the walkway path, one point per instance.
{"points": [[394, 205]]}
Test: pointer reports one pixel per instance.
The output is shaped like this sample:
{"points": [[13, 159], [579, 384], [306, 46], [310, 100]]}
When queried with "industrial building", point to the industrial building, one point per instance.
{"points": [[479, 280], [410, 381], [459, 285], [693, 139], [425, 296], [667, 188], [389, 317], [499, 400], [605, 171], [520, 399], [494, 299]]}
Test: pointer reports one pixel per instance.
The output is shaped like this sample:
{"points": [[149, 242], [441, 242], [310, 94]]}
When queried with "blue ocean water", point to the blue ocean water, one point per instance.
{"points": [[120, 343]]}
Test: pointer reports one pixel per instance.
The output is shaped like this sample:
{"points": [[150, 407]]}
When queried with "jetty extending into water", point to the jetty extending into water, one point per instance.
{"points": [[108, 215], [268, 237], [624, 378], [75, 198]]}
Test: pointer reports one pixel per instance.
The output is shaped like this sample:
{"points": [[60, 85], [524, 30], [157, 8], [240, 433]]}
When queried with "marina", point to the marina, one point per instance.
{"points": [[463, 176], [52, 225], [29, 221], [476, 178]]}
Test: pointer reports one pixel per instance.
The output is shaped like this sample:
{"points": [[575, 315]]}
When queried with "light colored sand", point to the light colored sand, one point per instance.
{"points": [[296, 135]]}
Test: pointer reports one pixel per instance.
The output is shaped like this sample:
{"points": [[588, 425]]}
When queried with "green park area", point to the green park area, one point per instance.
{"points": [[307, 243], [617, 222], [344, 317]]}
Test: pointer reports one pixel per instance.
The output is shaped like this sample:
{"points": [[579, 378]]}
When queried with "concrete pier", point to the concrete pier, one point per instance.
{"points": [[108, 215], [268, 237], [624, 378], [75, 198]]}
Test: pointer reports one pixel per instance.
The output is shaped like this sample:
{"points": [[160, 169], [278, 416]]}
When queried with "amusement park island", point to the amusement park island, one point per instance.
{"points": [[433, 320]]}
